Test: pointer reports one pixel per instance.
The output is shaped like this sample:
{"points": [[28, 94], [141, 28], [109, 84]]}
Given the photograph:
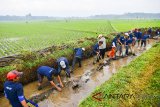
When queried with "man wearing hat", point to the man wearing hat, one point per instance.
{"points": [[63, 64], [102, 48], [48, 72], [78, 56], [13, 90]]}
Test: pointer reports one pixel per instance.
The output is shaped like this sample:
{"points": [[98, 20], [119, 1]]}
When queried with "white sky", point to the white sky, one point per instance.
{"points": [[65, 8]]}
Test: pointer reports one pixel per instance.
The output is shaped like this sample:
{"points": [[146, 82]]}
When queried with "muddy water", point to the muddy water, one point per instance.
{"points": [[71, 97]]}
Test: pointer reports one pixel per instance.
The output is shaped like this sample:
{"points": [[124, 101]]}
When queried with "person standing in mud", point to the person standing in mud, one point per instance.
{"points": [[13, 90], [139, 37], [77, 57], [144, 39], [121, 43], [132, 37], [114, 43], [48, 72], [63, 64], [96, 52], [102, 48], [149, 32], [135, 32], [128, 44]]}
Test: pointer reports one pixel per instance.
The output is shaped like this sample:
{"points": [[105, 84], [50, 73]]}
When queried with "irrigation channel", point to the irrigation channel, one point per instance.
{"points": [[87, 78]]}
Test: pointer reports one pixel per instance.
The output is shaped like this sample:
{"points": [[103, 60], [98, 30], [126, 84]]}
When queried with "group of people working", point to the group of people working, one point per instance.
{"points": [[125, 42], [122, 43], [13, 90]]}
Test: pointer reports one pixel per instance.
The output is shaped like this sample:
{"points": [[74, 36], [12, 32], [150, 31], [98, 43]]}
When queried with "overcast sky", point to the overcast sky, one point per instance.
{"points": [[82, 8]]}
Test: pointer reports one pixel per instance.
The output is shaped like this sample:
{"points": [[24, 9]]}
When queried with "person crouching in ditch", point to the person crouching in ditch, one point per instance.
{"points": [[77, 57], [48, 72], [63, 64], [111, 54], [13, 90], [96, 52]]}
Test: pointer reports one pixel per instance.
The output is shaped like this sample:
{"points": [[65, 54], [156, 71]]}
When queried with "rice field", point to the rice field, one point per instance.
{"points": [[16, 37]]}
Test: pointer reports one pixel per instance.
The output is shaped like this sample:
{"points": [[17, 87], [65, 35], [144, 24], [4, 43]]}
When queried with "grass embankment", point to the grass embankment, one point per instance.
{"points": [[135, 85]]}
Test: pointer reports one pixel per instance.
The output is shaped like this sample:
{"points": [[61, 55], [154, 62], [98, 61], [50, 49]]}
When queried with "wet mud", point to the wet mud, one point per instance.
{"points": [[83, 81]]}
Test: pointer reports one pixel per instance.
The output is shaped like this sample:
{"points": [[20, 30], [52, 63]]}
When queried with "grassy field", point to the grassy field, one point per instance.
{"points": [[16, 37], [124, 25], [139, 81]]}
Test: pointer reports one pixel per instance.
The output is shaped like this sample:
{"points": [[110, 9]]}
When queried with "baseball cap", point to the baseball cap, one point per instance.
{"points": [[126, 34], [63, 65], [83, 49], [13, 74]]}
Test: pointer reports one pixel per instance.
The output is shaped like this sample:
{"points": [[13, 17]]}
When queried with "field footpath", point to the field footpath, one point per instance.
{"points": [[138, 79]]}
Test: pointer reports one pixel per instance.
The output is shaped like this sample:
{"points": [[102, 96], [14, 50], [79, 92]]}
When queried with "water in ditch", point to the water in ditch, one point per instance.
{"points": [[70, 97]]}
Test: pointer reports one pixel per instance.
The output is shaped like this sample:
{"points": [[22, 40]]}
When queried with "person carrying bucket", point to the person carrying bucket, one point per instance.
{"points": [[13, 90], [96, 52], [48, 72]]}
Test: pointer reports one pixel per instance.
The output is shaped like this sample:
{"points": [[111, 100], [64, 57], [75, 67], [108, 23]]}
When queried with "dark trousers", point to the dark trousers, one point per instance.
{"points": [[75, 60], [127, 49], [102, 53], [143, 42]]}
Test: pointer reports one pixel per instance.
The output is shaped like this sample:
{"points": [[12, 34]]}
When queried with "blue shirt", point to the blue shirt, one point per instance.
{"points": [[136, 34], [145, 37], [47, 71], [139, 35], [122, 39], [115, 41], [67, 65], [128, 41], [14, 93], [95, 48], [130, 35], [78, 52]]}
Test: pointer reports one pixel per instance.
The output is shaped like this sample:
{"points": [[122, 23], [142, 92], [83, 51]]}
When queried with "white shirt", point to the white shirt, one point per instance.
{"points": [[103, 46]]}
